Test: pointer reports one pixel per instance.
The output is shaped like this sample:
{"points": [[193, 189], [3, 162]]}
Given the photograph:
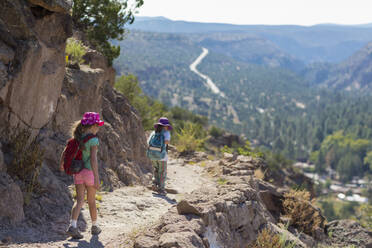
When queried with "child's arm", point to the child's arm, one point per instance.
{"points": [[167, 137], [61, 168], [94, 164]]}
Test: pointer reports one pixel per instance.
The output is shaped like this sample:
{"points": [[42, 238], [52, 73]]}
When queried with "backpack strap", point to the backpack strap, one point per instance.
{"points": [[88, 137], [162, 140], [85, 140]]}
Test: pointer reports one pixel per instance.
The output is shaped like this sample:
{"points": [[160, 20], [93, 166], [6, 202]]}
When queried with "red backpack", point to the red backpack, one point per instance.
{"points": [[73, 156]]}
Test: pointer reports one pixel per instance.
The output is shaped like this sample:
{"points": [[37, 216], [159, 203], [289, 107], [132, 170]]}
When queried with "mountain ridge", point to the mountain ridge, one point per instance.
{"points": [[318, 43]]}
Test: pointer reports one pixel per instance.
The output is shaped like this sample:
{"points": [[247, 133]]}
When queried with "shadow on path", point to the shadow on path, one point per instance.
{"points": [[93, 243], [169, 200]]}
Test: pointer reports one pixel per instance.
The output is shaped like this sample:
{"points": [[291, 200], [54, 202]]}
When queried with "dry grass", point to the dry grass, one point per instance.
{"points": [[267, 239], [302, 214], [259, 174], [27, 161]]}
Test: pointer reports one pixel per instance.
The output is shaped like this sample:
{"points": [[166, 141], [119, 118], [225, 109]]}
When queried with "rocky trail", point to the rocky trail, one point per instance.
{"points": [[125, 211]]}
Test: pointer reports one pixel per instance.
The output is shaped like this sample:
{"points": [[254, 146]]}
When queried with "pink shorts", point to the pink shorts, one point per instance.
{"points": [[84, 177]]}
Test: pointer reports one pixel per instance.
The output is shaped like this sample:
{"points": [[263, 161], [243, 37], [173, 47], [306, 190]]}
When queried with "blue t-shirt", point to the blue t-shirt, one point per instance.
{"points": [[86, 153]]}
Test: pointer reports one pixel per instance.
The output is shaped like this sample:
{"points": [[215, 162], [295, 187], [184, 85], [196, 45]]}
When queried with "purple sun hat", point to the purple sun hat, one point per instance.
{"points": [[91, 118], [163, 121]]}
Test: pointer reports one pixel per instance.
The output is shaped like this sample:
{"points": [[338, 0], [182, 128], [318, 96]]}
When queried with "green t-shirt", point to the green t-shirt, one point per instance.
{"points": [[86, 152]]}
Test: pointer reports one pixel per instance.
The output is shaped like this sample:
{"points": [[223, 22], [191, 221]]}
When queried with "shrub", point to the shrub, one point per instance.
{"points": [[366, 216], [303, 215], [216, 132], [186, 138], [227, 149], [27, 161], [221, 181], [276, 161], [247, 150], [75, 51], [267, 239]]}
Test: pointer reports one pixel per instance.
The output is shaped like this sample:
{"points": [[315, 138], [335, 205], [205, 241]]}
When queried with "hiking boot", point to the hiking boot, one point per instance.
{"points": [[74, 233], [154, 187], [95, 230], [162, 192]]}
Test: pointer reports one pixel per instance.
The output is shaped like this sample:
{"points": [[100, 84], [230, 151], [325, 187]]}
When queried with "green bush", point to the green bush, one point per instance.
{"points": [[366, 216], [75, 51], [276, 161], [216, 132], [187, 140], [247, 150], [226, 149]]}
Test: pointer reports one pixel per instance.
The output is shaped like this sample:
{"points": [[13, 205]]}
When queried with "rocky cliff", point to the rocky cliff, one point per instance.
{"points": [[238, 209], [40, 95]]}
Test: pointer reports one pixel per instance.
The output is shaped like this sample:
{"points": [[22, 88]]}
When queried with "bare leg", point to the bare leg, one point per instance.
{"points": [[80, 191], [91, 197]]}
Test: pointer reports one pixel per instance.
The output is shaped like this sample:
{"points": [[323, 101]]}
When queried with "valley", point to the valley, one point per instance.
{"points": [[283, 89]]}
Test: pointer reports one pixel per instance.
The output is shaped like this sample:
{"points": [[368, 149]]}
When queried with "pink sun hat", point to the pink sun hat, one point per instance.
{"points": [[91, 118]]}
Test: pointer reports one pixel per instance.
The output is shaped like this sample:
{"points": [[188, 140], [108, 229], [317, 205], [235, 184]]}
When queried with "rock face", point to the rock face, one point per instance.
{"points": [[32, 60], [347, 233], [38, 93], [32, 68]]}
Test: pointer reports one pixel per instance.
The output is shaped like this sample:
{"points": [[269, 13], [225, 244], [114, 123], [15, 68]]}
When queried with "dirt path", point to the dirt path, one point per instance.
{"points": [[124, 211]]}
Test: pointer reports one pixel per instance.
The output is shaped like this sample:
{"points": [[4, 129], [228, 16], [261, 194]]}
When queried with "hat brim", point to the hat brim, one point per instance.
{"points": [[161, 124]]}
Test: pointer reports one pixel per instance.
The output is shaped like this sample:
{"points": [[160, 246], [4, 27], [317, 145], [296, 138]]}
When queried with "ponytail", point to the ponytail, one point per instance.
{"points": [[77, 130]]}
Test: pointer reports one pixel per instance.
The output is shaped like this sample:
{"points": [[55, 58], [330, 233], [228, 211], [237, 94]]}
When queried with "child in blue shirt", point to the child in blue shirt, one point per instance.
{"points": [[160, 166]]}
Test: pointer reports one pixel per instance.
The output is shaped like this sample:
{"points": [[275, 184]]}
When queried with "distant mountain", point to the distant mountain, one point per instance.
{"points": [[319, 43], [354, 74]]}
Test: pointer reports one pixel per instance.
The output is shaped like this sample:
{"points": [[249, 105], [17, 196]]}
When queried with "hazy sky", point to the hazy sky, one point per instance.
{"points": [[302, 12]]}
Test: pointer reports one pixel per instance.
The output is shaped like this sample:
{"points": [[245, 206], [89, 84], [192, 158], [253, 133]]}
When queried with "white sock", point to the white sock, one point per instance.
{"points": [[73, 223], [94, 223]]}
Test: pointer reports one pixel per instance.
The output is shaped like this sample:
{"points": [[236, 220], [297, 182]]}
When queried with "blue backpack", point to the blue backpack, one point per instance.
{"points": [[157, 148]]}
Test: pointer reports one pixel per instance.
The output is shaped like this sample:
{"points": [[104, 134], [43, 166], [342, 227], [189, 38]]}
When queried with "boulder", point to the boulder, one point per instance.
{"points": [[181, 240], [97, 60], [146, 242], [184, 207]]}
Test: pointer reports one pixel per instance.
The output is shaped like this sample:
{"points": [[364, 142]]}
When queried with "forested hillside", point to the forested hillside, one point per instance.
{"points": [[275, 100], [354, 74]]}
